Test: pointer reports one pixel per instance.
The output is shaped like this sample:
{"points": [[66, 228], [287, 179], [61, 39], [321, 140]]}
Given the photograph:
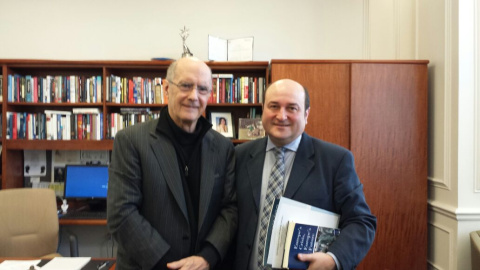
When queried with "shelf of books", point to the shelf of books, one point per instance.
{"points": [[81, 105]]}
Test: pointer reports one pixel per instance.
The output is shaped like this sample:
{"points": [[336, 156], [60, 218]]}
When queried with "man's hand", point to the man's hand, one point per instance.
{"points": [[189, 263], [318, 261]]}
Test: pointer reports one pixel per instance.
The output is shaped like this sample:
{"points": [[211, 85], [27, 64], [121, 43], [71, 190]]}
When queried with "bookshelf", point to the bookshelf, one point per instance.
{"points": [[377, 109], [101, 73]]}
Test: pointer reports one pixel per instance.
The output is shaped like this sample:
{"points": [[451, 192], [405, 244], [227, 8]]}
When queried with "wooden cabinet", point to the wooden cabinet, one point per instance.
{"points": [[12, 152], [377, 109]]}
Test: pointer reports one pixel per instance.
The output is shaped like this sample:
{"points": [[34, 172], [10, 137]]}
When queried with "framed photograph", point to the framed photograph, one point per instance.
{"points": [[250, 128], [223, 123]]}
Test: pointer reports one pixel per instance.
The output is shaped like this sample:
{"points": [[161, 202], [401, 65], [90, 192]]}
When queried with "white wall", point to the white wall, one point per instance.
{"points": [[140, 30], [445, 32], [448, 34]]}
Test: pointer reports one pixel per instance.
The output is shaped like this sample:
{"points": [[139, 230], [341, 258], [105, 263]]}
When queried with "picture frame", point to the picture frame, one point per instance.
{"points": [[250, 129], [222, 122]]}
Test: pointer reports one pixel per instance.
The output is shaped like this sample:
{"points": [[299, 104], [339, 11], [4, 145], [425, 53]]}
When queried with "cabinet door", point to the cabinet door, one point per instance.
{"points": [[389, 142], [328, 87]]}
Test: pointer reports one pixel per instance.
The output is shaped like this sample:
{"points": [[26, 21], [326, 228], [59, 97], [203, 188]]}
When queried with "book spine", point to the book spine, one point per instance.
{"points": [[99, 88]]}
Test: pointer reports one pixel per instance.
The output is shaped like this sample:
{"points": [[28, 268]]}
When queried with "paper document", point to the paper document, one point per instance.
{"points": [[19, 264], [66, 263], [217, 48], [238, 49], [285, 210]]}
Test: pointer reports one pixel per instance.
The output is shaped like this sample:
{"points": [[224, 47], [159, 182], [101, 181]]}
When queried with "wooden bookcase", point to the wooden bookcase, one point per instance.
{"points": [[377, 109], [12, 153]]}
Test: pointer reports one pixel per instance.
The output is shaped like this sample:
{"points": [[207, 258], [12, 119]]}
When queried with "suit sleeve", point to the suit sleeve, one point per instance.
{"points": [[357, 224], [224, 228], [135, 235]]}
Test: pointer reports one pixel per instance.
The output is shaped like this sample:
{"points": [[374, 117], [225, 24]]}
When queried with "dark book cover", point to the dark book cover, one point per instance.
{"points": [[304, 238]]}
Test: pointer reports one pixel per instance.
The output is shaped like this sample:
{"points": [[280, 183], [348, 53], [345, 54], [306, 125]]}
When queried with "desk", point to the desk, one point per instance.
{"points": [[91, 265], [91, 232]]}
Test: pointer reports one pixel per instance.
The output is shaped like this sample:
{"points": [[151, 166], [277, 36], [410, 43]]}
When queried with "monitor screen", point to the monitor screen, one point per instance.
{"points": [[86, 181]]}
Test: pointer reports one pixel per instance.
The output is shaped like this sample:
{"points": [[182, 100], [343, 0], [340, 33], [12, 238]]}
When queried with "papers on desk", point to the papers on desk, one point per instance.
{"points": [[57, 263], [19, 264], [66, 263]]}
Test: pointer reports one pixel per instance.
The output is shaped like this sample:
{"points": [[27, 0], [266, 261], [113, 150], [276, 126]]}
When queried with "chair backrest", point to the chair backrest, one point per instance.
{"points": [[475, 241], [28, 222]]}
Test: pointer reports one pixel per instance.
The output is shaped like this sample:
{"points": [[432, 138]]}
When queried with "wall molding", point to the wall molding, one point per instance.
{"points": [[446, 181], [454, 213], [476, 89], [438, 183], [451, 243], [447, 92]]}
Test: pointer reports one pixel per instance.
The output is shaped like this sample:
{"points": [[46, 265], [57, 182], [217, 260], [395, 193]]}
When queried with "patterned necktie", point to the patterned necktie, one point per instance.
{"points": [[274, 191]]}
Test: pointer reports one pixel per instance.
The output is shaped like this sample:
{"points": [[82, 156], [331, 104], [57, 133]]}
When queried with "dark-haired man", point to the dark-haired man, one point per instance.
{"points": [[290, 163]]}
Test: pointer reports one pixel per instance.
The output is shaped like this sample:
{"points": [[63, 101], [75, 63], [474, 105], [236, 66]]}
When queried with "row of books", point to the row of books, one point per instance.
{"points": [[128, 117], [54, 89], [227, 89], [56, 125], [135, 90], [80, 124]]}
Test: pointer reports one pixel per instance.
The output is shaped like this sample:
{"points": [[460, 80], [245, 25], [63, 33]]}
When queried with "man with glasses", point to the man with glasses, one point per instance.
{"points": [[171, 200]]}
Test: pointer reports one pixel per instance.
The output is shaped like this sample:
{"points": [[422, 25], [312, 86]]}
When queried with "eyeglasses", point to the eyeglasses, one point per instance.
{"points": [[187, 87]]}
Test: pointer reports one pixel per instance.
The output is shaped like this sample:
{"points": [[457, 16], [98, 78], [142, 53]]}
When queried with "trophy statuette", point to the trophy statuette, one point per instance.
{"points": [[184, 34]]}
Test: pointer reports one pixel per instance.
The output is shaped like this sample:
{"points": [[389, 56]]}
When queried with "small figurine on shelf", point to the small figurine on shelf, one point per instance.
{"points": [[184, 34], [64, 206]]}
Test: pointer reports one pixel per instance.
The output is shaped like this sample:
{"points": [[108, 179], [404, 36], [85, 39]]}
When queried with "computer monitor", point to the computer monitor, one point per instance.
{"points": [[86, 181]]}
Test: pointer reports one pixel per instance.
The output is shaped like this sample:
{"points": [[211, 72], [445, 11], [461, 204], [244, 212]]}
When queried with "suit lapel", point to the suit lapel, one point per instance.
{"points": [[207, 181], [302, 165], [255, 168], [164, 151]]}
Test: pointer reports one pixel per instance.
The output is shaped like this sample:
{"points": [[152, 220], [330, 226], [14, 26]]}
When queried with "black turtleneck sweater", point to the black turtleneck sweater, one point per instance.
{"points": [[189, 150]]}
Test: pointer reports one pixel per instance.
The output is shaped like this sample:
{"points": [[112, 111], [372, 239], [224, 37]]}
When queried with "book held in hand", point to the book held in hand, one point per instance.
{"points": [[304, 238], [283, 211]]}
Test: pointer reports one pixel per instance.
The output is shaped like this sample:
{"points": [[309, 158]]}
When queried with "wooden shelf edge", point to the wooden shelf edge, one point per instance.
{"points": [[59, 104], [234, 104], [311, 61], [59, 144], [83, 222]]}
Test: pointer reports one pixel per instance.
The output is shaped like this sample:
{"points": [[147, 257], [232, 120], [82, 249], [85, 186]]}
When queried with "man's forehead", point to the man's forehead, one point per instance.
{"points": [[285, 94], [284, 102], [194, 70]]}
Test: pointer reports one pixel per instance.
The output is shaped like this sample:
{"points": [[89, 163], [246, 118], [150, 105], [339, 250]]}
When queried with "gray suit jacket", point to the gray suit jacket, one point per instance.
{"points": [[323, 175], [146, 207]]}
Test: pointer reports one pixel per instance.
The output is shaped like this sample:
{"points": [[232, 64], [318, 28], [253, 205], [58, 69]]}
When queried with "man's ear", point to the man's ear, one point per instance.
{"points": [[307, 112], [166, 86]]}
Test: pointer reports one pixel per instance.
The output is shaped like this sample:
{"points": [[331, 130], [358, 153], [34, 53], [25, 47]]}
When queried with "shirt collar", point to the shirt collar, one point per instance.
{"points": [[292, 146]]}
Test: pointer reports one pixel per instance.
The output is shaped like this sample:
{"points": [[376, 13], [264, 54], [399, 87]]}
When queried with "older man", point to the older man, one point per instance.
{"points": [[171, 200]]}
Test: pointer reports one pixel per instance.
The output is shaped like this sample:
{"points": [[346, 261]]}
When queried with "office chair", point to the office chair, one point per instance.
{"points": [[28, 223]]}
